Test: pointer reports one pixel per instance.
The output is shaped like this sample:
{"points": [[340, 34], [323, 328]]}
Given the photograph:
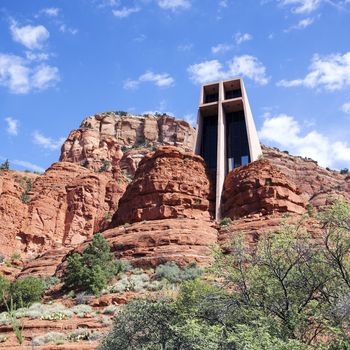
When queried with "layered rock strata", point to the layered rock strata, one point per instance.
{"points": [[317, 184], [259, 188], [169, 183], [148, 244], [105, 136]]}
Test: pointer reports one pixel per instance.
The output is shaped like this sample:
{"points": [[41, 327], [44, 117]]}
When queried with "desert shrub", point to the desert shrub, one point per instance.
{"points": [[4, 288], [51, 337], [2, 339], [81, 310], [174, 274], [27, 189], [82, 334], [82, 298], [51, 281], [105, 166], [344, 171], [310, 209], [225, 222], [110, 310], [27, 290], [55, 316], [136, 283], [91, 270]]}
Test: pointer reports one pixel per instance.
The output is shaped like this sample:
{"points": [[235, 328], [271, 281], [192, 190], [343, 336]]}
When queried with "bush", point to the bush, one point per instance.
{"points": [[27, 290], [174, 274], [344, 171], [51, 337], [4, 288], [225, 222], [92, 270], [51, 281], [105, 166]]}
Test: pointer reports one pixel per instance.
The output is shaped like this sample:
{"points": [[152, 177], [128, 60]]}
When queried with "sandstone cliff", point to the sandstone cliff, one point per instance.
{"points": [[105, 136]]}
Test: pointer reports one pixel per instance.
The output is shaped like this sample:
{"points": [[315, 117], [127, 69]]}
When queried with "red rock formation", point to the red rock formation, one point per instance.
{"points": [[13, 209], [259, 188], [316, 184], [168, 184], [68, 204], [155, 242], [105, 136]]}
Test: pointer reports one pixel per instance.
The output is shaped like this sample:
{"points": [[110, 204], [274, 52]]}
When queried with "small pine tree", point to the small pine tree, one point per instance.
{"points": [[91, 270], [5, 165]]}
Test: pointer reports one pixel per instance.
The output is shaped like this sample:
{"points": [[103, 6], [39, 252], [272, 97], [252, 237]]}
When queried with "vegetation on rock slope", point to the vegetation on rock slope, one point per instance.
{"points": [[290, 292]]}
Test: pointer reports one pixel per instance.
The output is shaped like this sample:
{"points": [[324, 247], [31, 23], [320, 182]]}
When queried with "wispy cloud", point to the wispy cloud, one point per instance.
{"points": [[65, 29], [174, 4], [37, 56], [27, 165], [51, 11], [12, 126], [302, 6], [221, 48], [242, 37], [21, 76], [302, 24], [286, 132], [125, 11], [161, 80], [330, 72], [32, 37], [245, 66], [346, 107], [47, 142]]}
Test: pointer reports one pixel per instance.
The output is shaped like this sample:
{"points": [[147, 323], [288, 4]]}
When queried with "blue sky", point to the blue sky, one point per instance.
{"points": [[61, 61]]}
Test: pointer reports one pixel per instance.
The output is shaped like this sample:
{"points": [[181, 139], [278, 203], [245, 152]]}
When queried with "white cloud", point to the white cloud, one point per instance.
{"points": [[47, 142], [285, 131], [32, 37], [346, 107], [125, 12], [223, 3], [20, 76], [241, 38], [51, 11], [330, 72], [174, 4], [41, 56], [12, 126], [221, 48], [27, 165], [302, 24], [245, 66], [64, 29], [161, 80], [185, 47], [302, 6], [107, 3]]}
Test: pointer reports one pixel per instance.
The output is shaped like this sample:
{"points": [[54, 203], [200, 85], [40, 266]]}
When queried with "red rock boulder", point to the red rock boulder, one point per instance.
{"points": [[169, 183], [259, 188]]}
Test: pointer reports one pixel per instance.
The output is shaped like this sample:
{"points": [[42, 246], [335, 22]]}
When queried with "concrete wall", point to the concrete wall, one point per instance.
{"points": [[253, 140]]}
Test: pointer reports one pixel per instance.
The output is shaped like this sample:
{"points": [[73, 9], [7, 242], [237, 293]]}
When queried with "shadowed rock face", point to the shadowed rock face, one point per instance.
{"points": [[168, 184], [259, 188]]}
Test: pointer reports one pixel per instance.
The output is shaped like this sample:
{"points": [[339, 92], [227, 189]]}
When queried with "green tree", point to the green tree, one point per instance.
{"points": [[91, 270], [27, 290], [5, 165]]}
